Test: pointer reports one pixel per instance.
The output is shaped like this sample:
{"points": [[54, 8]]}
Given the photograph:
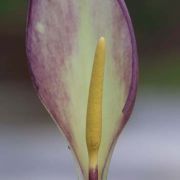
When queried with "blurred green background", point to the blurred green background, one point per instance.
{"points": [[157, 28]]}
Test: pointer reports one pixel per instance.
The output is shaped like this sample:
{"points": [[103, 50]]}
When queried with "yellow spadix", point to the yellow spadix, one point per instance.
{"points": [[94, 108]]}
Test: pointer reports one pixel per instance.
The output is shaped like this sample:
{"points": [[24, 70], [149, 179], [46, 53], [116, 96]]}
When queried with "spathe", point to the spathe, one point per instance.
{"points": [[61, 40]]}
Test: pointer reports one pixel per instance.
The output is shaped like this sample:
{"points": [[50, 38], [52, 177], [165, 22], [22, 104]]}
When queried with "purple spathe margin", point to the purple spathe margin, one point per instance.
{"points": [[28, 51], [134, 77]]}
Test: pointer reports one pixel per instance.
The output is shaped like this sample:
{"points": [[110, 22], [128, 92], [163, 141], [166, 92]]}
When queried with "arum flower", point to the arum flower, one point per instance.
{"points": [[83, 61]]}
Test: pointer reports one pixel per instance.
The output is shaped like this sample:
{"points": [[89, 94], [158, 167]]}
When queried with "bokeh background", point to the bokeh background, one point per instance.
{"points": [[31, 147]]}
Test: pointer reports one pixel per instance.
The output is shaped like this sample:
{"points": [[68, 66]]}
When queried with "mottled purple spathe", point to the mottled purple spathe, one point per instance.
{"points": [[127, 110], [49, 53]]}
